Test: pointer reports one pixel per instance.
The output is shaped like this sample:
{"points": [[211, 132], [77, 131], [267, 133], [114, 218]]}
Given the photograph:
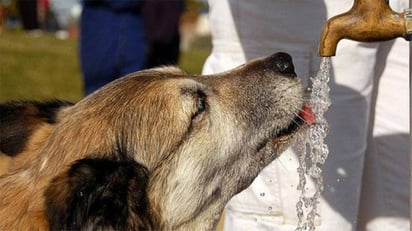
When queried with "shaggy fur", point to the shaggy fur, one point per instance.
{"points": [[19, 121], [156, 150], [102, 193]]}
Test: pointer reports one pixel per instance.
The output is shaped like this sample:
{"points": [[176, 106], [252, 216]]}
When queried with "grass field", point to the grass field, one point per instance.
{"points": [[45, 67]]}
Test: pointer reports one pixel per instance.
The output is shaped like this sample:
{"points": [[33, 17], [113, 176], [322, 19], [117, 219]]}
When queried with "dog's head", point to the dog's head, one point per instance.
{"points": [[201, 139]]}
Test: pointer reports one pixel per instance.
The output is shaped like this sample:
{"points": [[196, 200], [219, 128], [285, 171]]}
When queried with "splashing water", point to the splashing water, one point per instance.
{"points": [[312, 143]]}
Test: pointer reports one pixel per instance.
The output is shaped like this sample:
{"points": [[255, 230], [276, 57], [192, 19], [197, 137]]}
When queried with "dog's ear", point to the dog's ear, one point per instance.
{"points": [[99, 194], [19, 119]]}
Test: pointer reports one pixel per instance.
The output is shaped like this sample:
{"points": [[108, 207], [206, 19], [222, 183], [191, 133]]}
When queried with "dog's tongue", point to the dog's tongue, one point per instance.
{"points": [[307, 114]]}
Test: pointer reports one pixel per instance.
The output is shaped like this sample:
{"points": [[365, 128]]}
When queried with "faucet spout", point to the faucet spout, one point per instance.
{"points": [[366, 21]]}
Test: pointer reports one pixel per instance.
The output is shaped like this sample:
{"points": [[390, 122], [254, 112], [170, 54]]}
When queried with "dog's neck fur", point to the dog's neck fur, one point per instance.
{"points": [[190, 209], [198, 206]]}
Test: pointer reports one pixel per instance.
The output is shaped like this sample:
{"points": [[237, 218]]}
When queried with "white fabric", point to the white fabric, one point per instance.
{"points": [[243, 30]]}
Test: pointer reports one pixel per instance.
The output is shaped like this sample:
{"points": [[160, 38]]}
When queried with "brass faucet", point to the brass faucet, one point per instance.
{"points": [[366, 21]]}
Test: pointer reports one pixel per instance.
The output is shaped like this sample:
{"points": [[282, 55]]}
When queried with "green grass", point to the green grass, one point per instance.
{"points": [[45, 67], [38, 67]]}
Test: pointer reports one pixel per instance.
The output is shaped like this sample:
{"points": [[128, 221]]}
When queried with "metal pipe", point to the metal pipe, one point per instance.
{"points": [[366, 21]]}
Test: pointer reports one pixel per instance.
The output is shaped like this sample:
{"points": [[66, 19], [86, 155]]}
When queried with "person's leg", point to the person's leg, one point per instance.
{"points": [[384, 203], [131, 47], [164, 53], [98, 44], [348, 116], [273, 195], [28, 13]]}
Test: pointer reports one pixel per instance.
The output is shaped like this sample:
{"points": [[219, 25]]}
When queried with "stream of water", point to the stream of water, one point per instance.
{"points": [[312, 150]]}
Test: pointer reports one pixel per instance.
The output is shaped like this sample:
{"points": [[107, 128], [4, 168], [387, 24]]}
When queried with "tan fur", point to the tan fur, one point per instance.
{"points": [[40, 130], [31, 150], [196, 164], [4, 163]]}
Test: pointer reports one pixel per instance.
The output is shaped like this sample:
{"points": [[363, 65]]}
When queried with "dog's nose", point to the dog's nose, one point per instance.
{"points": [[282, 63]]}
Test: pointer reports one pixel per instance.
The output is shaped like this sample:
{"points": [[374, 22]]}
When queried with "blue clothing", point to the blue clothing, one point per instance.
{"points": [[112, 41]]}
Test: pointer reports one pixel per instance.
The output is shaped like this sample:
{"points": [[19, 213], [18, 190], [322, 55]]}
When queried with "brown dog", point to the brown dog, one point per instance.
{"points": [[156, 150]]}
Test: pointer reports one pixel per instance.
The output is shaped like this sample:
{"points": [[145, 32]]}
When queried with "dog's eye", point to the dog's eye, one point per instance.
{"points": [[198, 100], [201, 104]]}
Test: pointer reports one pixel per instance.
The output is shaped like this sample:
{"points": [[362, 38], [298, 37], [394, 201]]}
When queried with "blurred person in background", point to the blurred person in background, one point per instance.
{"points": [[112, 41], [3, 10], [66, 14], [366, 176], [29, 15], [161, 20]]}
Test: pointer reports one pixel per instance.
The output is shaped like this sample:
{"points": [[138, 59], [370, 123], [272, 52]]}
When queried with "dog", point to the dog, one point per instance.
{"points": [[158, 149]]}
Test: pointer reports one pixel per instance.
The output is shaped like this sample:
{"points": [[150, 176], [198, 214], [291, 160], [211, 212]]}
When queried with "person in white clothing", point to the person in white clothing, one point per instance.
{"points": [[366, 175]]}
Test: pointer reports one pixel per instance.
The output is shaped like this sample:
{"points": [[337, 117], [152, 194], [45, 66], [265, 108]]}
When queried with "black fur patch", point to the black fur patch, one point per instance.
{"points": [[19, 119], [99, 194]]}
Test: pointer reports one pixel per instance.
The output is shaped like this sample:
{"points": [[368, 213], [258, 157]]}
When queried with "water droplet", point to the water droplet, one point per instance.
{"points": [[270, 208], [341, 172], [262, 194]]}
